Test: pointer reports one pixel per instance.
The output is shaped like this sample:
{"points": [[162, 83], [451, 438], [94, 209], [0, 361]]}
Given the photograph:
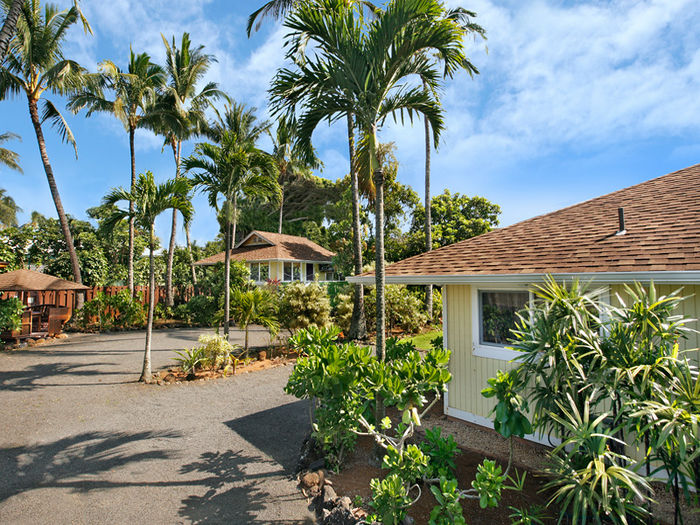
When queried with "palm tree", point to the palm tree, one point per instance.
{"points": [[464, 18], [254, 306], [134, 96], [180, 113], [8, 157], [233, 167], [278, 9], [291, 165], [362, 69], [13, 8], [35, 64], [150, 200], [8, 210]]}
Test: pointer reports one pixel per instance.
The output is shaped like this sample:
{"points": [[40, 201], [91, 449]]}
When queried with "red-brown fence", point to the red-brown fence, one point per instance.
{"points": [[66, 298]]}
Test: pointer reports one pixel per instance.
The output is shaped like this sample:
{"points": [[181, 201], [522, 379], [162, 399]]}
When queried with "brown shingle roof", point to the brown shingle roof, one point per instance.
{"points": [[662, 219], [283, 247], [29, 280]]}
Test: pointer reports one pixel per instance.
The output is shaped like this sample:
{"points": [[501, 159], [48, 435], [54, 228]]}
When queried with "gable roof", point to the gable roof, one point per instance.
{"points": [[29, 280], [662, 222], [277, 246]]}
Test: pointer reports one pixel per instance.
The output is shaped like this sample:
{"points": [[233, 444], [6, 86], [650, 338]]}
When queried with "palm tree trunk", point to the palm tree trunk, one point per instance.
{"points": [[8, 27], [63, 220], [428, 218], [132, 151], [227, 275], [379, 278], [279, 228], [173, 232], [358, 326], [146, 372], [189, 251]]}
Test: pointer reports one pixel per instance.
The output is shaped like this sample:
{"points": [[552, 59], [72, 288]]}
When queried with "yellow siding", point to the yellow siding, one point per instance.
{"points": [[470, 373]]}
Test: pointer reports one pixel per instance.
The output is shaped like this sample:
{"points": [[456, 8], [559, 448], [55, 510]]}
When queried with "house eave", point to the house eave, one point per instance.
{"points": [[661, 277]]}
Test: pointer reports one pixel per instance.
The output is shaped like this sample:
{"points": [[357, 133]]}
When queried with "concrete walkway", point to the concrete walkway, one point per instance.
{"points": [[82, 442]]}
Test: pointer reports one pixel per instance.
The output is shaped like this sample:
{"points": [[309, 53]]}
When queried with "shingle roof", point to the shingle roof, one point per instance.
{"points": [[662, 222], [282, 247], [29, 280]]}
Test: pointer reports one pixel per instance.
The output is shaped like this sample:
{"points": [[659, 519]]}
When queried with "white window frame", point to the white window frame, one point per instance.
{"points": [[487, 350], [292, 280], [260, 265]]}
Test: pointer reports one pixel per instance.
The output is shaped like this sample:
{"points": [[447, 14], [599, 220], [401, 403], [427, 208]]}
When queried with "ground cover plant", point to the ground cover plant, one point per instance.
{"points": [[612, 385]]}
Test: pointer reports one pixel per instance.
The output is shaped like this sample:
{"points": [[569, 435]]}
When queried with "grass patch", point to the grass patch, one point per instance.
{"points": [[422, 341]]}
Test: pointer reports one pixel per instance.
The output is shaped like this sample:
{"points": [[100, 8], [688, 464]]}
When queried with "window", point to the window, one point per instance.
{"points": [[494, 316], [259, 271], [310, 272], [292, 271]]}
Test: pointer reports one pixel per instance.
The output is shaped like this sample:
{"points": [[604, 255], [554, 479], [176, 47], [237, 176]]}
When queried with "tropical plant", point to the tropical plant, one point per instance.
{"points": [[179, 113], [254, 306], [304, 305], [134, 93], [233, 167], [217, 351], [189, 360], [10, 314], [150, 200], [35, 65], [441, 451], [390, 498], [9, 158], [12, 11], [359, 69], [8, 210]]}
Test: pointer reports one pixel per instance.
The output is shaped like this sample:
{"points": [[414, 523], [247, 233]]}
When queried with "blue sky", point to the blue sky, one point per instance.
{"points": [[574, 100]]}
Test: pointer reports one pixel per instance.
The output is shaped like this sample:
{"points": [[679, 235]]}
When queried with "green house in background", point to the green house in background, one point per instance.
{"points": [[279, 257], [644, 233]]}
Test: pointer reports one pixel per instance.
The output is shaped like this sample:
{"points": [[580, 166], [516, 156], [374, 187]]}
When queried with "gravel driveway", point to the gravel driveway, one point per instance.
{"points": [[82, 442]]}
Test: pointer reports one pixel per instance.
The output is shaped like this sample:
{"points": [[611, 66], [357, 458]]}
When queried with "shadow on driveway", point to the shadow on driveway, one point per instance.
{"points": [[33, 377], [60, 464]]}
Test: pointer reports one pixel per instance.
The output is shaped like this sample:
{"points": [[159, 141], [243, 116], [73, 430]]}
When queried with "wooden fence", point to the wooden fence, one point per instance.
{"points": [[67, 298]]}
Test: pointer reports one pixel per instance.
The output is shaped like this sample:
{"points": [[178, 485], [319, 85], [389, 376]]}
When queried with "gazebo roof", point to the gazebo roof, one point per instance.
{"points": [[29, 280]]}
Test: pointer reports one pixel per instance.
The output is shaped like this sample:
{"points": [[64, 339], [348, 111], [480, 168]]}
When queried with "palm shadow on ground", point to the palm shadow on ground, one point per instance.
{"points": [[35, 377], [65, 463], [271, 432]]}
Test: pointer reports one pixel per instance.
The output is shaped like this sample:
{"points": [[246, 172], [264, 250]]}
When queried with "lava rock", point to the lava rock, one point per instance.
{"points": [[339, 516]]}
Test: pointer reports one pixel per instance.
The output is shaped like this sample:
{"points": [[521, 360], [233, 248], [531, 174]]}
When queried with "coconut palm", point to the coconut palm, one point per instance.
{"points": [[13, 9], [277, 9], [230, 169], [291, 165], [8, 210], [149, 201], [362, 69], [180, 113], [35, 65], [9, 158], [254, 306], [134, 93]]}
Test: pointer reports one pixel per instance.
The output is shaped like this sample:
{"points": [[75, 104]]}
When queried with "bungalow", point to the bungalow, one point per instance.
{"points": [[648, 232], [279, 257]]}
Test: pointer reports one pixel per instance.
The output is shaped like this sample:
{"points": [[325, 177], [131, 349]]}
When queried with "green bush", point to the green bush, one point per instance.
{"points": [[304, 305], [110, 311], [404, 309], [200, 310], [342, 312], [448, 510], [10, 314], [441, 451], [214, 352], [390, 499]]}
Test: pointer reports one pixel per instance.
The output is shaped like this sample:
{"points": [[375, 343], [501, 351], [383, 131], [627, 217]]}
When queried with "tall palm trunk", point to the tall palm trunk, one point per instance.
{"points": [[227, 274], [173, 232], [62, 219], [8, 27], [132, 151], [189, 251], [379, 279], [146, 376], [279, 228], [358, 326], [428, 218]]}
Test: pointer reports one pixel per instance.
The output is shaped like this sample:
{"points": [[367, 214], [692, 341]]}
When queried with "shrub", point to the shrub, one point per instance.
{"points": [[190, 360], [441, 451], [448, 510], [120, 310], [342, 312], [390, 499], [10, 314], [303, 306], [255, 306], [217, 351], [403, 309]]}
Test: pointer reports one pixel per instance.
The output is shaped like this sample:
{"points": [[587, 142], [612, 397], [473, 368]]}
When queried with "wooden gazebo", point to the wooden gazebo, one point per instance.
{"points": [[38, 291]]}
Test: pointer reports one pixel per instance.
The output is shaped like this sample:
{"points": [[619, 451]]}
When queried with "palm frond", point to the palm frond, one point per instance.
{"points": [[57, 121]]}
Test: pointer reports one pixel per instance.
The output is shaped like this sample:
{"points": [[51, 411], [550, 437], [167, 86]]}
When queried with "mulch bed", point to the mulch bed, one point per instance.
{"points": [[262, 361]]}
